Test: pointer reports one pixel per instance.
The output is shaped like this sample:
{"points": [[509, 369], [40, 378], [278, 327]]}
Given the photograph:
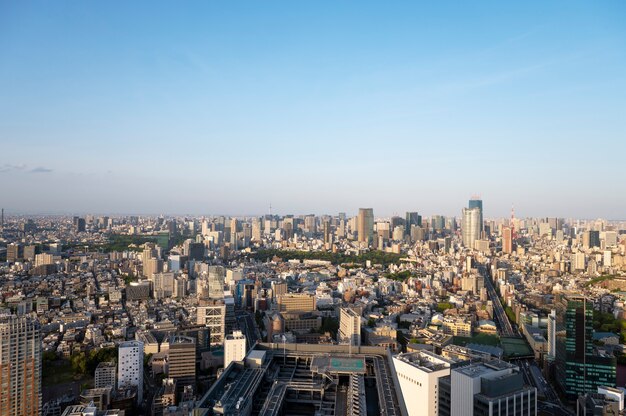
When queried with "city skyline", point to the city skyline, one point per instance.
{"points": [[350, 213], [314, 108]]}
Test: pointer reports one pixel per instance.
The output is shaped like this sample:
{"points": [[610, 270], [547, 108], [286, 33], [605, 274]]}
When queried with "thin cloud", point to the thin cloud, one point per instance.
{"points": [[10, 168], [40, 170]]}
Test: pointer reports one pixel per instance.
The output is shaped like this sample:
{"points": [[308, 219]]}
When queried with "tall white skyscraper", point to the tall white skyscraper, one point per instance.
{"points": [[130, 366], [20, 366], [234, 348], [470, 226]]}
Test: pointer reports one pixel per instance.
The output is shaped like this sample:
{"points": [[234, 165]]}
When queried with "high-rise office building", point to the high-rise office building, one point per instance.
{"points": [[326, 231], [104, 375], [20, 366], [365, 225], [591, 239], [15, 252], [130, 366], [234, 348], [30, 252], [412, 218], [195, 251], [580, 368], [492, 388], [79, 224], [181, 358], [507, 240], [163, 285], [211, 313], [418, 375], [476, 202], [278, 289], [349, 327], [234, 236], [216, 282], [470, 226], [151, 263], [310, 224], [256, 230]]}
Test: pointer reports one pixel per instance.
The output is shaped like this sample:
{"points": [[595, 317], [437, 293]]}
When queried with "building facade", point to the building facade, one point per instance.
{"points": [[20, 366], [365, 225], [104, 375], [349, 327], [470, 226], [418, 374], [234, 348], [579, 368], [130, 366]]}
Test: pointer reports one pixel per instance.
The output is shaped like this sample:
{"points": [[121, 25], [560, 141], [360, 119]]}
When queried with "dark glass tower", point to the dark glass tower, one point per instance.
{"points": [[579, 369], [412, 218]]}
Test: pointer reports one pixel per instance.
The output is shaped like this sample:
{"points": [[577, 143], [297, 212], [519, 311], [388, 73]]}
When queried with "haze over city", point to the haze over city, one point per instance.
{"points": [[214, 108]]}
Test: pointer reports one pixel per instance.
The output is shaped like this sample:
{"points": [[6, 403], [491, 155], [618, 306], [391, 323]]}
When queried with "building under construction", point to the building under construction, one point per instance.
{"points": [[305, 379]]}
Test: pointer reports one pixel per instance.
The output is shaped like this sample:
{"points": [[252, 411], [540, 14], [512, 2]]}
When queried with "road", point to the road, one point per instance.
{"points": [[248, 327], [529, 369], [502, 321], [548, 400]]}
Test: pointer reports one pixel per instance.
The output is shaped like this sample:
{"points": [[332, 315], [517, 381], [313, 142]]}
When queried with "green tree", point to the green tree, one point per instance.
{"points": [[79, 363], [331, 325], [443, 306]]}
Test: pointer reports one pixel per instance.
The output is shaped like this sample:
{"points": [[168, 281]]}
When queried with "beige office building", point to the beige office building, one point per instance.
{"points": [[296, 302]]}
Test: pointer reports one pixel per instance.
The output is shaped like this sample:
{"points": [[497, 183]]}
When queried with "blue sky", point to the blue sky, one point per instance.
{"points": [[224, 107]]}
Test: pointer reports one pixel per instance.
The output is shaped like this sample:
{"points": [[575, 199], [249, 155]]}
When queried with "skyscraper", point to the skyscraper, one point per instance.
{"points": [[216, 282], [476, 202], [234, 236], [470, 226], [507, 240], [579, 369], [591, 239], [20, 366], [365, 225], [412, 218], [130, 366], [79, 224]]}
